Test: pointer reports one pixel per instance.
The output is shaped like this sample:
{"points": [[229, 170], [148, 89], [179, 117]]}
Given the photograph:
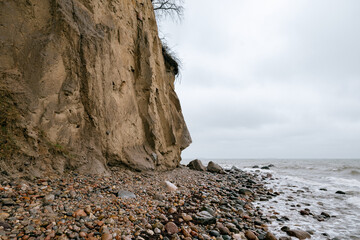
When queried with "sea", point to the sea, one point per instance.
{"points": [[309, 184]]}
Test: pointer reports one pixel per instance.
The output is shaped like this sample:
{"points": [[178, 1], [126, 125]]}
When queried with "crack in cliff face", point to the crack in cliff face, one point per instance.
{"points": [[143, 84], [102, 91]]}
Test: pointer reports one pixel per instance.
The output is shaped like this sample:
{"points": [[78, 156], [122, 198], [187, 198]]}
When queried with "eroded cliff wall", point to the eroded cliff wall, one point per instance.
{"points": [[84, 85]]}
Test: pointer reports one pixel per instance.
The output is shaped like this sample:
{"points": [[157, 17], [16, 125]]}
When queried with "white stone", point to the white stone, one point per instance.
{"points": [[170, 186]]}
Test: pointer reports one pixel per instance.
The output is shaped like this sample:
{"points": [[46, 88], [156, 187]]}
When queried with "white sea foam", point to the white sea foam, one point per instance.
{"points": [[303, 184], [258, 170], [344, 182], [304, 181], [299, 182], [355, 201]]}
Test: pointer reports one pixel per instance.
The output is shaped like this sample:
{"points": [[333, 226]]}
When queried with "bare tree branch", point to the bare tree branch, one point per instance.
{"points": [[168, 8]]}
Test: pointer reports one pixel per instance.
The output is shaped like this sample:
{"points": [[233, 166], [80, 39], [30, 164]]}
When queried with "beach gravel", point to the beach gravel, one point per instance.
{"points": [[135, 205]]}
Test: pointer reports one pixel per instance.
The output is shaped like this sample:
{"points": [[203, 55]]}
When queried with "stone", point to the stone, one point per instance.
{"points": [[340, 192], [186, 217], [214, 233], [79, 213], [285, 228], [305, 211], [159, 197], [172, 210], [239, 236], [232, 227], [196, 165], [170, 186], [245, 191], [5, 225], [3, 216], [72, 194], [185, 232], [8, 202], [223, 230], [171, 228], [270, 236], [204, 217], [326, 215], [88, 210], [158, 225], [250, 235], [214, 168], [106, 236], [49, 198], [126, 194], [298, 234]]}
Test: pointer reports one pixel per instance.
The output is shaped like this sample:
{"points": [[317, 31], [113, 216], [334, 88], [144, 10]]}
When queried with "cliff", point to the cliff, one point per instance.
{"points": [[85, 85]]}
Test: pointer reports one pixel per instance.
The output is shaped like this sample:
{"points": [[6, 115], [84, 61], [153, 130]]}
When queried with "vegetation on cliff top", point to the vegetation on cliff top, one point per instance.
{"points": [[173, 9]]}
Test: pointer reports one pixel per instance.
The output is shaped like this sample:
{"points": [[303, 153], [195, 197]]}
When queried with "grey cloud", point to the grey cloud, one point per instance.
{"points": [[270, 78]]}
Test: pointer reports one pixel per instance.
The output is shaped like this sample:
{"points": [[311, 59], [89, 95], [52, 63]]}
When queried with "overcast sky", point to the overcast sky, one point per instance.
{"points": [[269, 79]]}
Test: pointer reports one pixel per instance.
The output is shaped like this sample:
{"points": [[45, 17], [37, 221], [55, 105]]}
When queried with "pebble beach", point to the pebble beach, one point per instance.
{"points": [[178, 204]]}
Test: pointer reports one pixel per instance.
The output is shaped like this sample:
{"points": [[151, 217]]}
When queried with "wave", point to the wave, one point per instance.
{"points": [[354, 172], [257, 170], [345, 168], [355, 201], [303, 181], [345, 182]]}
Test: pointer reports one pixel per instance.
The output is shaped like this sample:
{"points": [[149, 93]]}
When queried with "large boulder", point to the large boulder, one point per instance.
{"points": [[196, 165], [214, 168]]}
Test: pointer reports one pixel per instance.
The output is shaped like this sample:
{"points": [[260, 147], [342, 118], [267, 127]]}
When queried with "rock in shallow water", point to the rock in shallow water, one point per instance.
{"points": [[340, 192]]}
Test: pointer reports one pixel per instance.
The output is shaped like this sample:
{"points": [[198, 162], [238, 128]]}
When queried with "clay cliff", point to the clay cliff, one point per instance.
{"points": [[86, 84]]}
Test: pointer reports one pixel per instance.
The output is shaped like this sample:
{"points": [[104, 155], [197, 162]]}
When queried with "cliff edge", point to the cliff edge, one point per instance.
{"points": [[85, 85]]}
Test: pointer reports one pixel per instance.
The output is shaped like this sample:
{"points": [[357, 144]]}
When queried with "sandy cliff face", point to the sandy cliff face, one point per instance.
{"points": [[84, 85]]}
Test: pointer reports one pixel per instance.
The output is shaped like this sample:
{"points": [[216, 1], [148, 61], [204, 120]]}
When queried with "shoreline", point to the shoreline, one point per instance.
{"points": [[137, 205]]}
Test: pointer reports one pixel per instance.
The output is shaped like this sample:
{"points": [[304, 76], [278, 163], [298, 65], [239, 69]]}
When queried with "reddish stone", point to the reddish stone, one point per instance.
{"points": [[250, 235], [79, 213], [171, 228]]}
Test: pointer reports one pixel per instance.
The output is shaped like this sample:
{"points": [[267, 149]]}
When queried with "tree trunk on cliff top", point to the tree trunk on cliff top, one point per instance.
{"points": [[83, 86]]}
